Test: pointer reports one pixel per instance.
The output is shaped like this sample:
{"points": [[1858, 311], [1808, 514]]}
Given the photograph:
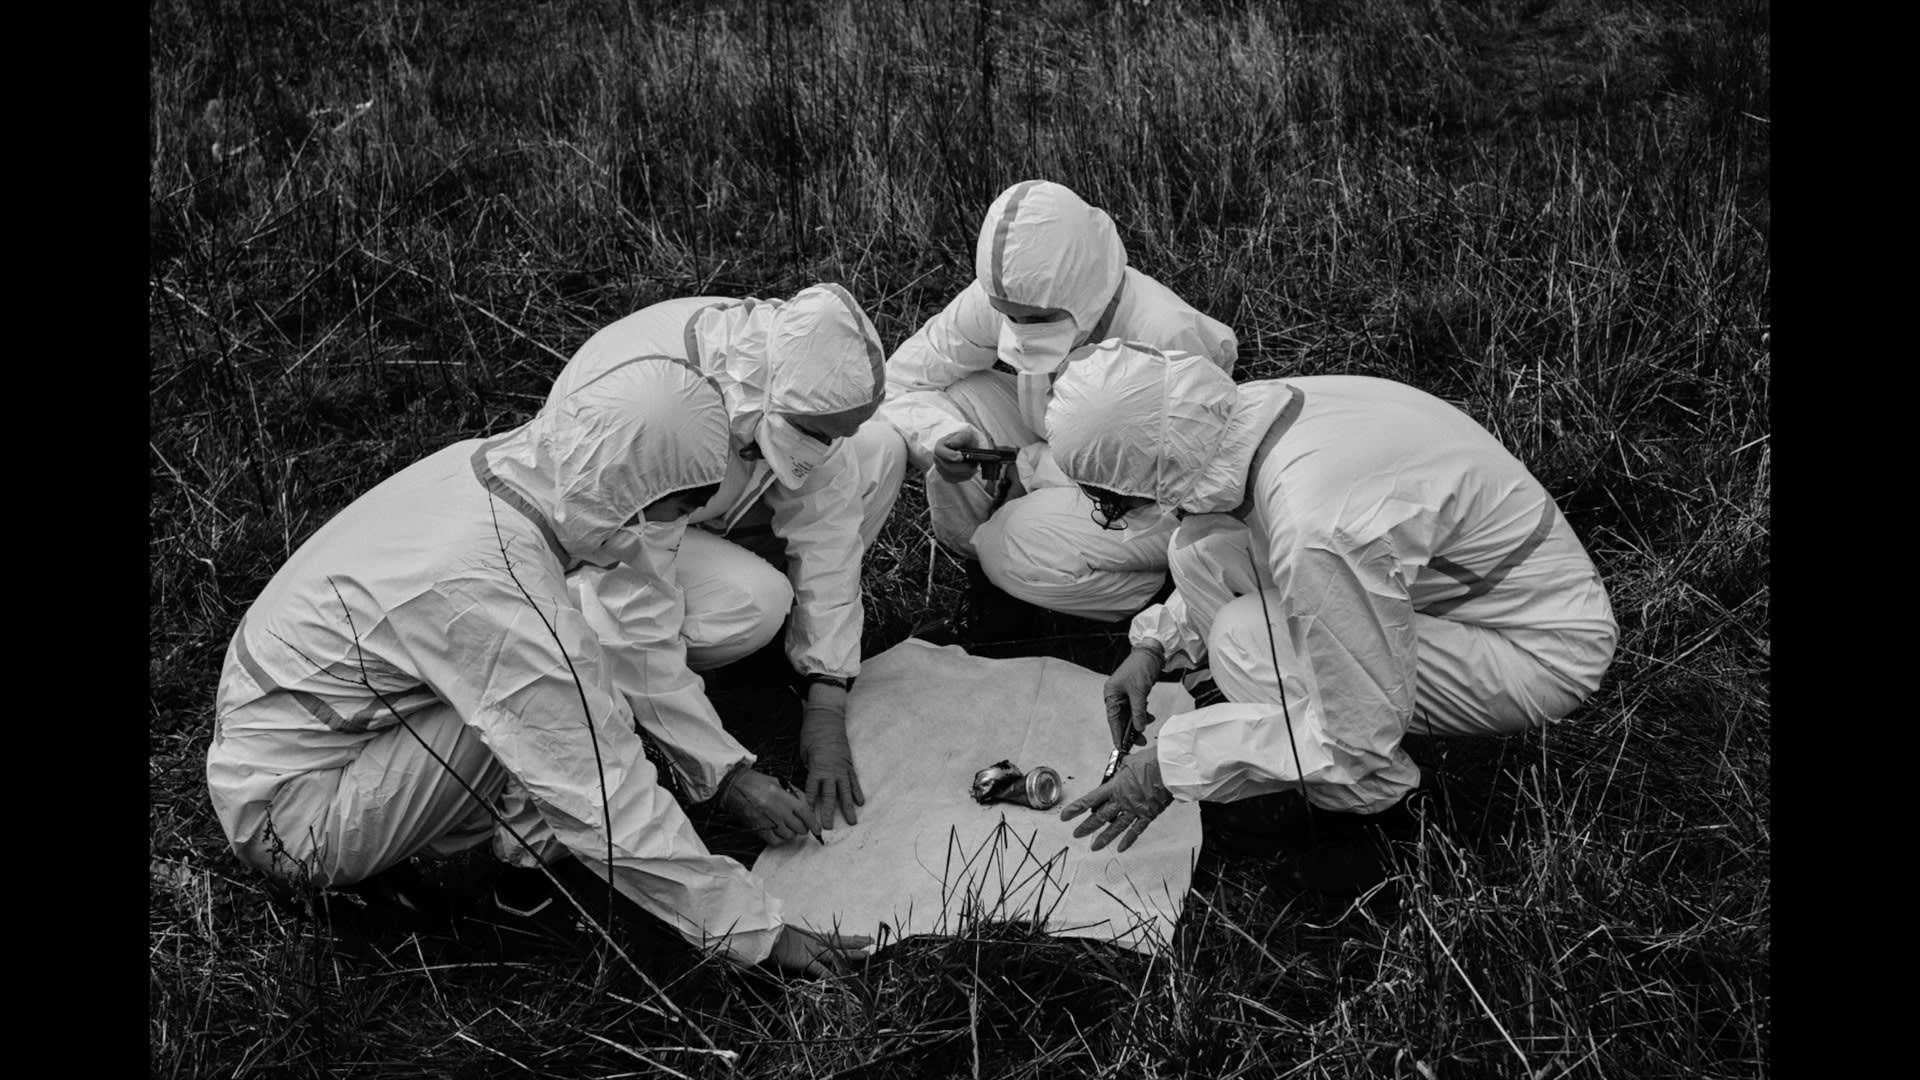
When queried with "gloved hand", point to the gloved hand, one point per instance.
{"points": [[946, 457], [1124, 805], [803, 952], [831, 779], [1011, 486], [774, 811], [1126, 693]]}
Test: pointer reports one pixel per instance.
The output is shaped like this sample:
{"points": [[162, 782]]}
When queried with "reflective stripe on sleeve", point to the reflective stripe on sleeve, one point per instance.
{"points": [[1480, 584], [315, 707]]}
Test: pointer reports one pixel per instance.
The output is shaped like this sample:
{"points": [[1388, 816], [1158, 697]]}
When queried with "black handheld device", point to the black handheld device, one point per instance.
{"points": [[989, 458]]}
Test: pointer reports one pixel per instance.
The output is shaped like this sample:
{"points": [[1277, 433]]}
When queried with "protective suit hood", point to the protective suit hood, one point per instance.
{"points": [[1042, 247], [816, 354], [588, 462], [1169, 426]]}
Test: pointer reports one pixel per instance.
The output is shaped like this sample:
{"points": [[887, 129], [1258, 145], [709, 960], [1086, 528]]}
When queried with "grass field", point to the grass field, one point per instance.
{"points": [[379, 226]]}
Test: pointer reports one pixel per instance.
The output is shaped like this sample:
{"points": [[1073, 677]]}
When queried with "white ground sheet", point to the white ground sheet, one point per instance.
{"points": [[926, 859]]}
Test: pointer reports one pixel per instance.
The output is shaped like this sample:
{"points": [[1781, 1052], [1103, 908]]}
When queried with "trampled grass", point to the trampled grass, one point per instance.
{"points": [[378, 227]]}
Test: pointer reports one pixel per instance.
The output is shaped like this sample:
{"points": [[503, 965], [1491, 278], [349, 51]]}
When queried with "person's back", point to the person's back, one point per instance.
{"points": [[1400, 452], [1480, 539], [659, 329]]}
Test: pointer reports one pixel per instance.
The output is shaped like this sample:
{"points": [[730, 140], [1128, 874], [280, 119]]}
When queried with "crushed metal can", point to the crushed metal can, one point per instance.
{"points": [[1002, 781]]}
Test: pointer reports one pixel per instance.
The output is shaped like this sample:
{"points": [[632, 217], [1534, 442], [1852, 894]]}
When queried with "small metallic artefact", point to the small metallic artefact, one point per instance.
{"points": [[1004, 782], [990, 782], [1042, 789], [1113, 763]]}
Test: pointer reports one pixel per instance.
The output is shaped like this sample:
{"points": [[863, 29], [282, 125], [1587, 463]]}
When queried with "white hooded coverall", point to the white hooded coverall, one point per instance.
{"points": [[426, 631], [1371, 541], [700, 599], [1040, 248]]}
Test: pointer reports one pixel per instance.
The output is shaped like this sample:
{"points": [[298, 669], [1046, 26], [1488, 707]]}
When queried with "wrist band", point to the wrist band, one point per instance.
{"points": [[843, 682], [726, 782]]}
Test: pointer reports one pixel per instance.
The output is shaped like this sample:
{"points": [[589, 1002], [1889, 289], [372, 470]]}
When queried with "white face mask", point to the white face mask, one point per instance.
{"points": [[790, 452], [1036, 348]]}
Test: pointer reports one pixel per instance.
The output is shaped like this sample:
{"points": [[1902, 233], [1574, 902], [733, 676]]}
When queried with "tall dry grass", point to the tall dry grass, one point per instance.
{"points": [[379, 226]]}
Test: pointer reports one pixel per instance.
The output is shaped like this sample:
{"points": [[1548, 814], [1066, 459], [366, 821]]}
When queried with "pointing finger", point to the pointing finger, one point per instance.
{"points": [[822, 795], [1106, 837]]}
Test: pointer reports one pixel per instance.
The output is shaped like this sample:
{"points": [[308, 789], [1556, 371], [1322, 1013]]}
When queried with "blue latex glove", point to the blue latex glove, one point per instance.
{"points": [[1124, 805]]}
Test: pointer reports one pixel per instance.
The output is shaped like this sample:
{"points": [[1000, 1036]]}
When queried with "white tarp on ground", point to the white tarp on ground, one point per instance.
{"points": [[926, 859]]}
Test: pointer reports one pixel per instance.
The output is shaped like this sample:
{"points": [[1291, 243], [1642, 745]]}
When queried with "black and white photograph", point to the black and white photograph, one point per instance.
{"points": [[893, 539]]}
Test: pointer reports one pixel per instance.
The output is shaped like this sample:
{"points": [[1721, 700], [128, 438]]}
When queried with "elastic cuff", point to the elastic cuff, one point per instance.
{"points": [[726, 782], [1139, 637]]}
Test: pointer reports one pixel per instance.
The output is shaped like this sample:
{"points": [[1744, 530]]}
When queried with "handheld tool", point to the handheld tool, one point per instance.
{"points": [[993, 462], [798, 794], [990, 459], [1120, 752]]}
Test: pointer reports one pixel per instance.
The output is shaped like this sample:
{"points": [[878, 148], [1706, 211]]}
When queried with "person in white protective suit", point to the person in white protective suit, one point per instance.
{"points": [[416, 677], [1368, 541], [1051, 275], [798, 376]]}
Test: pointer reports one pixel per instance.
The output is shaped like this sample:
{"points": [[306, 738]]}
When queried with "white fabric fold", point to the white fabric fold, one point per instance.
{"points": [[925, 857]]}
